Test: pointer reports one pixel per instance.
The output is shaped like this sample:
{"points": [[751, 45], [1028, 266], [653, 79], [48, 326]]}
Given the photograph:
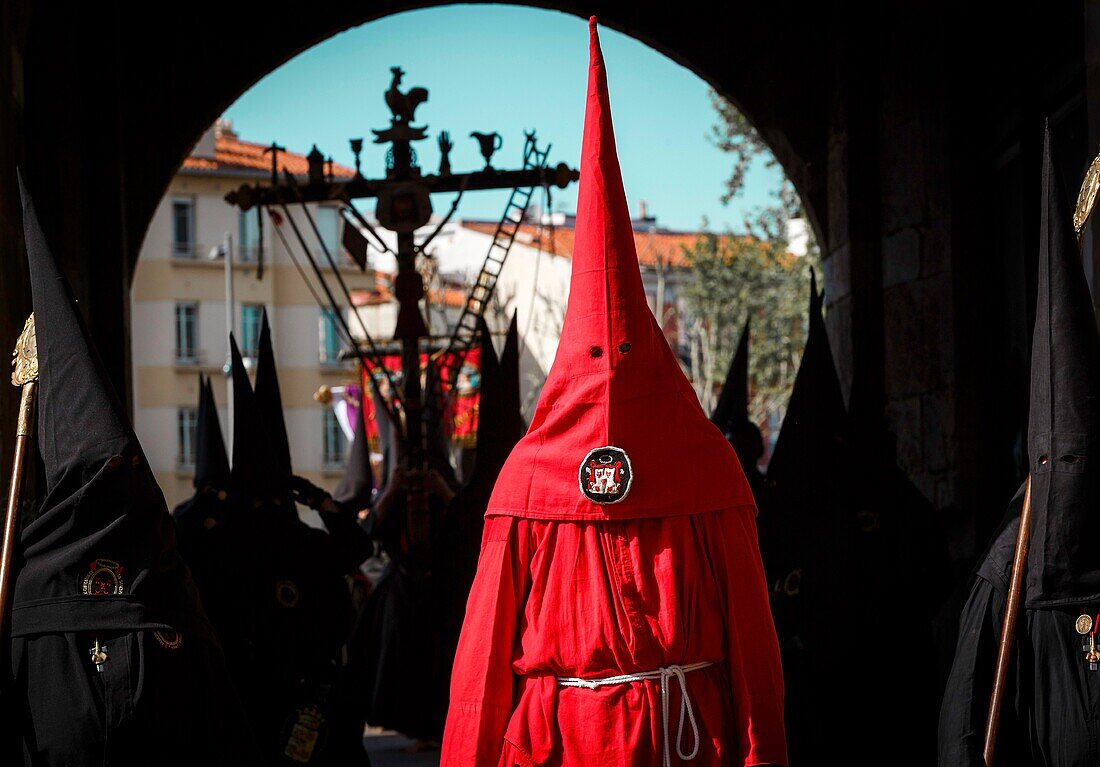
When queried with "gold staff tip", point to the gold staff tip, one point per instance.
{"points": [[24, 360], [1086, 198]]}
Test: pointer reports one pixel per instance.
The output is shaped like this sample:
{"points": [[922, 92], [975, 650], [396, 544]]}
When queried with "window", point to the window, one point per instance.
{"points": [[328, 224], [249, 229], [186, 420], [332, 449], [183, 228], [187, 332], [251, 315], [330, 339]]}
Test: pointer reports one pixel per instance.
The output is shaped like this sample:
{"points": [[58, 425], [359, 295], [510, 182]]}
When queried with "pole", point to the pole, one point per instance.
{"points": [[337, 314], [1008, 628], [24, 376], [416, 500], [230, 327], [409, 290]]}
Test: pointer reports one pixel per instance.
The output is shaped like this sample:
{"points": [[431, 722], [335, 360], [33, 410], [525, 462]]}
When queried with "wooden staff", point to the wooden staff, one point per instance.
{"points": [[1008, 628], [25, 376]]}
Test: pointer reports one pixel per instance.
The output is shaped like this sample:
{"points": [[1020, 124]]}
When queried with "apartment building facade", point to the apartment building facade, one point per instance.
{"points": [[179, 307], [180, 320]]}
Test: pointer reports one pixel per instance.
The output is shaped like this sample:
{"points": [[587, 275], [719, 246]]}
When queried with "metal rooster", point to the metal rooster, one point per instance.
{"points": [[403, 105]]}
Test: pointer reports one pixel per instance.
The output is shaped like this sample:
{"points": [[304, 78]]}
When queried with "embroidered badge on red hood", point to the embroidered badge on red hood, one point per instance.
{"points": [[616, 406]]}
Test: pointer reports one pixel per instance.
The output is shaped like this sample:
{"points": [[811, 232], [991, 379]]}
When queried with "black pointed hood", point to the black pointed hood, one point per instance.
{"points": [[490, 364], [512, 400], [357, 485], [211, 460], [103, 528], [200, 421], [813, 430], [492, 412], [1064, 423], [733, 402], [250, 447], [269, 404]]}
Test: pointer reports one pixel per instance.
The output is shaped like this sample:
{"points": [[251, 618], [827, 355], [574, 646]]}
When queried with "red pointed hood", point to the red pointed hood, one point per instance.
{"points": [[618, 432]]}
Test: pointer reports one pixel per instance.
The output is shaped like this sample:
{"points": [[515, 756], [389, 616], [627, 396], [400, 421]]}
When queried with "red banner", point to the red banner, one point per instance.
{"points": [[461, 416]]}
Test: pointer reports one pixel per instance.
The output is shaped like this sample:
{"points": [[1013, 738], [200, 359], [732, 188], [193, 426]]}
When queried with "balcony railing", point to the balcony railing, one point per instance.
{"points": [[193, 251], [188, 357], [249, 254]]}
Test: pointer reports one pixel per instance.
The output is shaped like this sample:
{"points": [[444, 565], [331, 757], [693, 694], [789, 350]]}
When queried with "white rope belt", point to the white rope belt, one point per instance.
{"points": [[662, 675]]}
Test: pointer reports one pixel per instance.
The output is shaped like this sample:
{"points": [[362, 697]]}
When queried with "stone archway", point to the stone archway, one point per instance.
{"points": [[889, 122]]}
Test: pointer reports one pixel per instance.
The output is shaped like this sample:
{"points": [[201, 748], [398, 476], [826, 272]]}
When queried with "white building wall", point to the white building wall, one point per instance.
{"points": [[533, 283], [295, 335], [154, 338], [158, 437]]}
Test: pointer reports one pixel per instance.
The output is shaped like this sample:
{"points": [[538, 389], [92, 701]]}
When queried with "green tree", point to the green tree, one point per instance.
{"points": [[734, 134], [754, 274], [732, 278]]}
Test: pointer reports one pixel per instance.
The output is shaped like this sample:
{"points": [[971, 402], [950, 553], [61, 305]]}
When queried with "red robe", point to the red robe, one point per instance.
{"points": [[598, 599], [620, 539]]}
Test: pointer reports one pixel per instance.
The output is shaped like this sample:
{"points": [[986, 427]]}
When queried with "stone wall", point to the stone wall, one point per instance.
{"points": [[891, 119]]}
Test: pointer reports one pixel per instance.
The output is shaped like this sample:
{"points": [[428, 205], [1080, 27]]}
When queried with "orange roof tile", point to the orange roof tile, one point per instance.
{"points": [[233, 154], [558, 240], [450, 296], [380, 293]]}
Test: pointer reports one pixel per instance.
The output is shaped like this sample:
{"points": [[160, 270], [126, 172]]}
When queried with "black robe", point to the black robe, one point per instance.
{"points": [[198, 517], [1052, 709], [99, 564], [397, 662], [276, 591], [857, 567], [1051, 716]]}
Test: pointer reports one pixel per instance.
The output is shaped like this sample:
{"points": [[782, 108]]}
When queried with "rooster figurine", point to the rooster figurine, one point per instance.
{"points": [[403, 105]]}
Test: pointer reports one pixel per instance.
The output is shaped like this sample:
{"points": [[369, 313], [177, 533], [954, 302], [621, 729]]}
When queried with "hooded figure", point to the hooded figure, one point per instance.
{"points": [[388, 438], [269, 408], [400, 656], [733, 401], [348, 544], [356, 488], [816, 418], [252, 453], [1049, 716], [619, 614], [807, 499], [199, 515], [495, 420], [299, 596], [113, 661], [497, 433], [731, 415], [848, 542]]}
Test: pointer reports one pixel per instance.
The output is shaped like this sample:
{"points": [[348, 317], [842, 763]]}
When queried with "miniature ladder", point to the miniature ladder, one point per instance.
{"points": [[465, 332]]}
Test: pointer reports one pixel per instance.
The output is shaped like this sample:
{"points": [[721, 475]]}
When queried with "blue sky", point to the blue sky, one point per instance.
{"points": [[504, 69]]}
